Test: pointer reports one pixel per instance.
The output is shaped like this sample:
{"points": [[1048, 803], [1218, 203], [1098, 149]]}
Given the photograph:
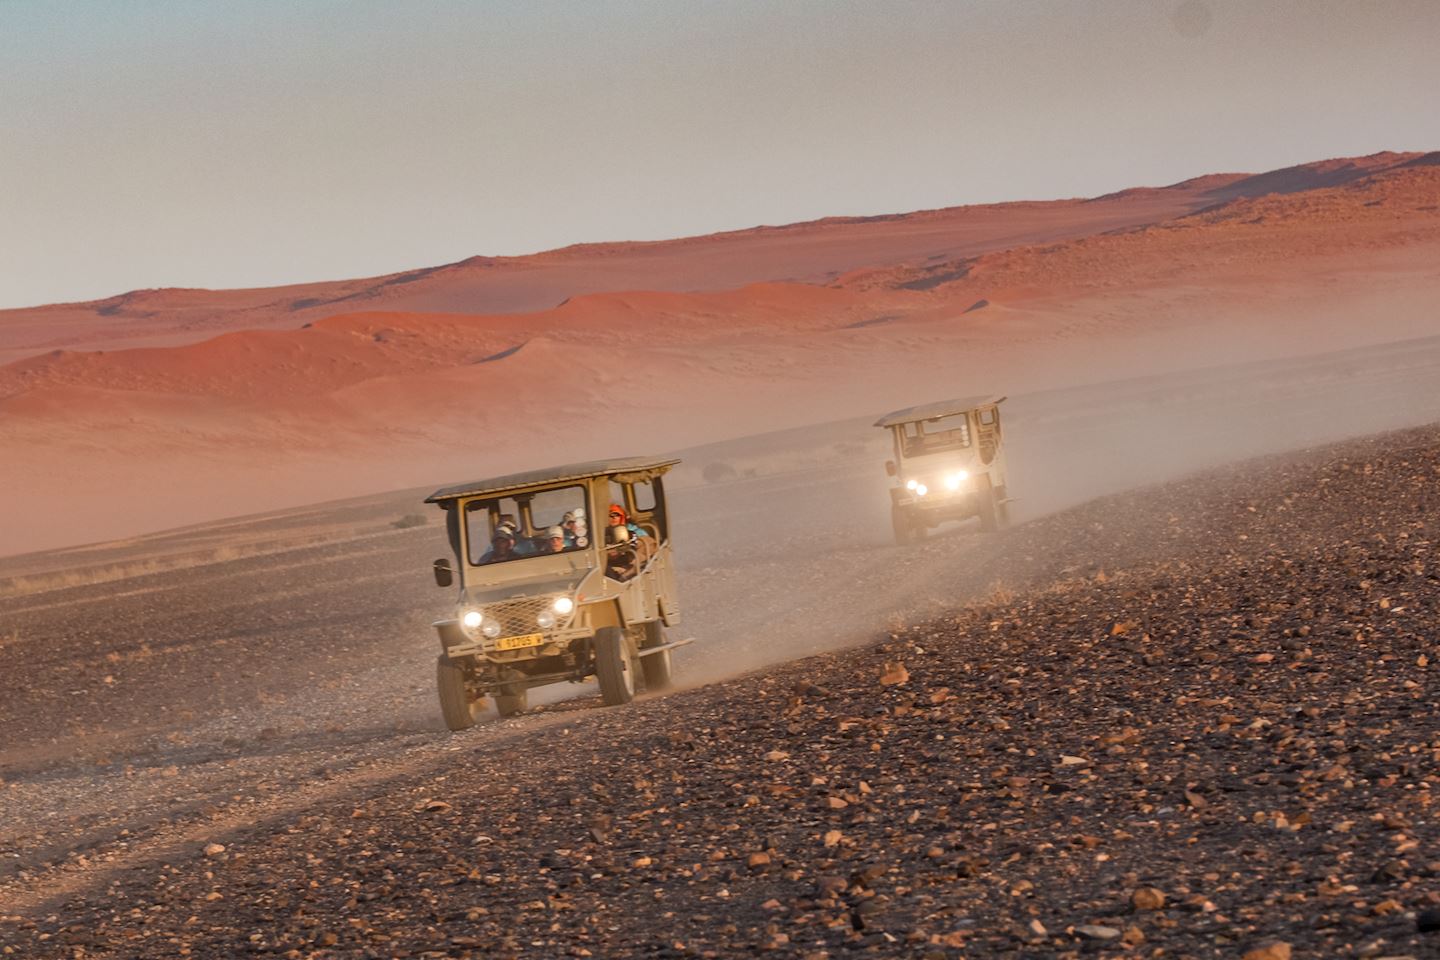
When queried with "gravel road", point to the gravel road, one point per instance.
{"points": [[1194, 719]]}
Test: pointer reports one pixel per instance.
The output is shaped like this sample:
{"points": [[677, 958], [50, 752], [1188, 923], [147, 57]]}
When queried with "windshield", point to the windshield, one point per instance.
{"points": [[524, 525], [939, 435]]}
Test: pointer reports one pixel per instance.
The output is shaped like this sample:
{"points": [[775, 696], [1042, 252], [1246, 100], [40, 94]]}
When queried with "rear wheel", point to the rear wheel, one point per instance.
{"points": [[656, 666], [457, 704], [614, 667]]}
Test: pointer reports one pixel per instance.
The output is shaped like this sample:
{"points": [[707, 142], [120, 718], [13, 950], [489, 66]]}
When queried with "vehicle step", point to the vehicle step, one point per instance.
{"points": [[666, 646]]}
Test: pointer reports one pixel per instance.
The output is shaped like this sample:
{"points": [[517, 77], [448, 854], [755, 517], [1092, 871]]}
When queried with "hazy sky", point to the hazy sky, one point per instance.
{"points": [[236, 143]]}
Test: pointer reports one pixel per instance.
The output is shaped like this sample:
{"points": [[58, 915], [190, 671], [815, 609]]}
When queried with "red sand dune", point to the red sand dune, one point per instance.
{"points": [[370, 391], [812, 252]]}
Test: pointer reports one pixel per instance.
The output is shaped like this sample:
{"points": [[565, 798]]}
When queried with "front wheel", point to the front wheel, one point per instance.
{"points": [[613, 667], [906, 531], [988, 509], [656, 666], [457, 704]]}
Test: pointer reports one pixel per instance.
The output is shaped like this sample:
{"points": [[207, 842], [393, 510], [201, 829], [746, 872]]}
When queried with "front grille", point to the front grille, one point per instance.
{"points": [[518, 616]]}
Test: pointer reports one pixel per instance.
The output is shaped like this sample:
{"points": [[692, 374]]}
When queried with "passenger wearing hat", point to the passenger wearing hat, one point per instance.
{"points": [[618, 518], [554, 541], [622, 561], [632, 548], [502, 545]]}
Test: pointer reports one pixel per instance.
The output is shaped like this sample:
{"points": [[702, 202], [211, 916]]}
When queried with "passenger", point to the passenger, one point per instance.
{"points": [[617, 517], [644, 544], [554, 541], [576, 533], [622, 558]]}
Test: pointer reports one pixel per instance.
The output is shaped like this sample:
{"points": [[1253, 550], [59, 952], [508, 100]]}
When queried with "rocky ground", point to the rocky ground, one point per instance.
{"points": [[1195, 720]]}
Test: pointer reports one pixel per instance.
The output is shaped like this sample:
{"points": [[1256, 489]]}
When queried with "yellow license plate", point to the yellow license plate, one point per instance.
{"points": [[519, 643]]}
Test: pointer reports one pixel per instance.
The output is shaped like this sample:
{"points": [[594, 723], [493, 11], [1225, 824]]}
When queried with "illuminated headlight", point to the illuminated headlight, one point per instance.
{"points": [[473, 622], [563, 606], [546, 619], [921, 489], [954, 480], [911, 484]]}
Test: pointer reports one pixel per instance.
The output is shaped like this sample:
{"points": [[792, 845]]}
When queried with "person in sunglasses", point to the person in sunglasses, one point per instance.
{"points": [[630, 547], [619, 519]]}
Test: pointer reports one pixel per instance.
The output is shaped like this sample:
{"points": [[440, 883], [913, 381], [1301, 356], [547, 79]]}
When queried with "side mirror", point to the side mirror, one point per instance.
{"points": [[444, 576], [889, 468]]}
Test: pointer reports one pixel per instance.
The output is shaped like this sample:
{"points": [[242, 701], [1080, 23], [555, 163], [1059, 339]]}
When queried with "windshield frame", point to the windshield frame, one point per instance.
{"points": [[924, 443], [474, 511]]}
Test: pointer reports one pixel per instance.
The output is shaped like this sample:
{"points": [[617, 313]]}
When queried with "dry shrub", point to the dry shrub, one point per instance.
{"points": [[999, 595], [718, 471]]}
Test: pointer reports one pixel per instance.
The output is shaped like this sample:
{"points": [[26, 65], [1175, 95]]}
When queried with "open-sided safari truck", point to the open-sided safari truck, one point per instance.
{"points": [[546, 597], [949, 465]]}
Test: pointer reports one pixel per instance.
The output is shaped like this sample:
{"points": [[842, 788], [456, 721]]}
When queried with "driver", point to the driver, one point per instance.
{"points": [[502, 545]]}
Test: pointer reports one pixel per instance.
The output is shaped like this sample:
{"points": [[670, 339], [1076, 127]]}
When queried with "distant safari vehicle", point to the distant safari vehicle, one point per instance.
{"points": [[949, 465], [544, 597]]}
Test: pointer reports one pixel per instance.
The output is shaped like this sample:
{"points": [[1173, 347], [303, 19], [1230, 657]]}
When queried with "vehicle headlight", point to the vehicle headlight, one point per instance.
{"points": [[474, 623], [563, 606], [921, 489], [954, 480], [546, 619], [911, 484]]}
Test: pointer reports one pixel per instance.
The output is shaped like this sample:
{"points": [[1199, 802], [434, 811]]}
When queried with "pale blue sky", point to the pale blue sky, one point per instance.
{"points": [[180, 143]]}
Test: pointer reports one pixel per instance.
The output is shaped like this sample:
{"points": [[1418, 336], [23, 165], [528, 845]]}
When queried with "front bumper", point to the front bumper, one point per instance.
{"points": [[938, 505]]}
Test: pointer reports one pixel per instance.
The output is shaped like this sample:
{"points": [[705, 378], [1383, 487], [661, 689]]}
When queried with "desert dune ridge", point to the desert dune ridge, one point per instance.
{"points": [[106, 442]]}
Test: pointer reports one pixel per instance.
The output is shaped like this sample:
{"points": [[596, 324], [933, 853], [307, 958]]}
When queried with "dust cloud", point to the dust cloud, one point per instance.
{"points": [[792, 555]]}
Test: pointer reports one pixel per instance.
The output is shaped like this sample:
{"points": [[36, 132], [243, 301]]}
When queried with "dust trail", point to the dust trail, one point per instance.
{"points": [[794, 555]]}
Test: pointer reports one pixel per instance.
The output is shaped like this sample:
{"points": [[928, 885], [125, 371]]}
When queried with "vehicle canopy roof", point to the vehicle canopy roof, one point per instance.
{"points": [[625, 469], [940, 408]]}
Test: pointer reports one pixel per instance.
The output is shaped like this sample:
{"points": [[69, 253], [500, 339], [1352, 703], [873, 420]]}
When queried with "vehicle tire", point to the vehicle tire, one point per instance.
{"points": [[512, 704], [656, 667], [905, 531], [613, 667], [989, 509], [1002, 508], [456, 704]]}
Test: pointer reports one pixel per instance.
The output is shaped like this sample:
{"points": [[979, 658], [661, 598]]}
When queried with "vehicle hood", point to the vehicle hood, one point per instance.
{"points": [[539, 586]]}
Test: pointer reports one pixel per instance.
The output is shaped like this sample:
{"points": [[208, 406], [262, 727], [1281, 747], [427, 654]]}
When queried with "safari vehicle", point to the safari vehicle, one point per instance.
{"points": [[545, 608], [949, 465]]}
